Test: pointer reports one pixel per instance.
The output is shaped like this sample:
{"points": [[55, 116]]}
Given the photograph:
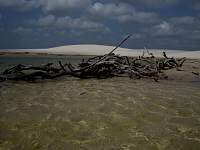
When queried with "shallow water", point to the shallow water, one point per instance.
{"points": [[116, 113], [9, 60]]}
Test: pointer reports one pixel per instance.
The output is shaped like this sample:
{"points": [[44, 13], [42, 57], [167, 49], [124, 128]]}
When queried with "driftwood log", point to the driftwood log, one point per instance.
{"points": [[105, 66]]}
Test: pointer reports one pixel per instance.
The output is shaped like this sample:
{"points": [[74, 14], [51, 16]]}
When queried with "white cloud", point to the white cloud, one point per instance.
{"points": [[159, 2], [122, 12], [79, 23], [63, 5], [183, 20], [46, 5], [156, 3], [111, 9], [22, 30], [163, 29], [68, 22], [186, 26], [138, 36], [21, 5], [140, 17], [47, 20]]}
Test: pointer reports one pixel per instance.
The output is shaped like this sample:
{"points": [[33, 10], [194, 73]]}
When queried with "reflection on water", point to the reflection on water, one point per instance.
{"points": [[117, 113], [9, 61]]}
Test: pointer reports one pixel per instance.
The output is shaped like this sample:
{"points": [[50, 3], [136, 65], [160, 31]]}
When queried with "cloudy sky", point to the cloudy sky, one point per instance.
{"points": [[171, 24]]}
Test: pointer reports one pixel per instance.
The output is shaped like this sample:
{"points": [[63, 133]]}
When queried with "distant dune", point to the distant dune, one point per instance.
{"points": [[101, 50]]}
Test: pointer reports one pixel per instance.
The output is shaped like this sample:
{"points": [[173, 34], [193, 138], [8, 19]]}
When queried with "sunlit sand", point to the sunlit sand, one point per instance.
{"points": [[101, 50]]}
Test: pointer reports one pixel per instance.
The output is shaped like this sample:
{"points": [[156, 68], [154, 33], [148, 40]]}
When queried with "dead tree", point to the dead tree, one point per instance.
{"points": [[106, 66]]}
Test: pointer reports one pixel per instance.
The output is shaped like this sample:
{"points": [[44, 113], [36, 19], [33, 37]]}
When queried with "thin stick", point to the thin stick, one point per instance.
{"points": [[104, 55]]}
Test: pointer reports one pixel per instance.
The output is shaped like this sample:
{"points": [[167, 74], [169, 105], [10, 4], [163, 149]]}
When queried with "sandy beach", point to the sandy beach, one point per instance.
{"points": [[99, 75], [101, 50], [113, 113]]}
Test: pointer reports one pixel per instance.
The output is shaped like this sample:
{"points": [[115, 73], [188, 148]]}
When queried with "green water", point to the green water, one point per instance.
{"points": [[117, 113], [9, 61]]}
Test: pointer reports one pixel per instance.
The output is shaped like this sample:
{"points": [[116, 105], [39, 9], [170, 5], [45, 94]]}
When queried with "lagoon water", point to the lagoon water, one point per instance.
{"points": [[100, 114]]}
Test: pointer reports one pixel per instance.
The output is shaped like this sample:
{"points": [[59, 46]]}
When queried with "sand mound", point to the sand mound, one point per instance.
{"points": [[101, 50]]}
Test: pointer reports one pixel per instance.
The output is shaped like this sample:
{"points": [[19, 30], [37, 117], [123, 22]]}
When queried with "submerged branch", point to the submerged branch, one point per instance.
{"points": [[108, 65]]}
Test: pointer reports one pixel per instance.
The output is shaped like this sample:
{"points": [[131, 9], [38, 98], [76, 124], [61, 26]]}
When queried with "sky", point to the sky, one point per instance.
{"points": [[159, 24]]}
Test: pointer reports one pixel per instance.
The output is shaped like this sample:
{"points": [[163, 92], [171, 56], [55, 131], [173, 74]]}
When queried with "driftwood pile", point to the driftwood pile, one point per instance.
{"points": [[105, 66]]}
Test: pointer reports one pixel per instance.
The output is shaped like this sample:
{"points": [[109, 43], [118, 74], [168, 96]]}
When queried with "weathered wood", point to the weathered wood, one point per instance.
{"points": [[105, 56], [110, 66], [106, 66], [196, 73]]}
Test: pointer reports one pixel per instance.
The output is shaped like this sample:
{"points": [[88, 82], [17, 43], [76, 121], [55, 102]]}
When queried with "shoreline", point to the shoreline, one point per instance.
{"points": [[96, 50], [3, 53]]}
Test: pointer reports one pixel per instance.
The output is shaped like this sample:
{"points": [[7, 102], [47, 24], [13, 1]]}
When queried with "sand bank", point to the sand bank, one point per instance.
{"points": [[101, 50]]}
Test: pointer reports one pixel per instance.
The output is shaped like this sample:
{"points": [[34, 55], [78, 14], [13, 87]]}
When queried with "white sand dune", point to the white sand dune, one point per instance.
{"points": [[101, 50]]}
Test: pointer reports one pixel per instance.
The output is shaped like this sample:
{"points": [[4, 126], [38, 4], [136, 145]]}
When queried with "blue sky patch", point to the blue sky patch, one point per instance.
{"points": [[171, 24]]}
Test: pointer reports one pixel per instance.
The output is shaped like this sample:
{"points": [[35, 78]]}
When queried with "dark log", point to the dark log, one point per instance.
{"points": [[21, 67], [196, 73], [165, 56], [105, 56], [105, 66]]}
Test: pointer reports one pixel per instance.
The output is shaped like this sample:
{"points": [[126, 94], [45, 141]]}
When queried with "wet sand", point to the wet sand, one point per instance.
{"points": [[116, 113]]}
